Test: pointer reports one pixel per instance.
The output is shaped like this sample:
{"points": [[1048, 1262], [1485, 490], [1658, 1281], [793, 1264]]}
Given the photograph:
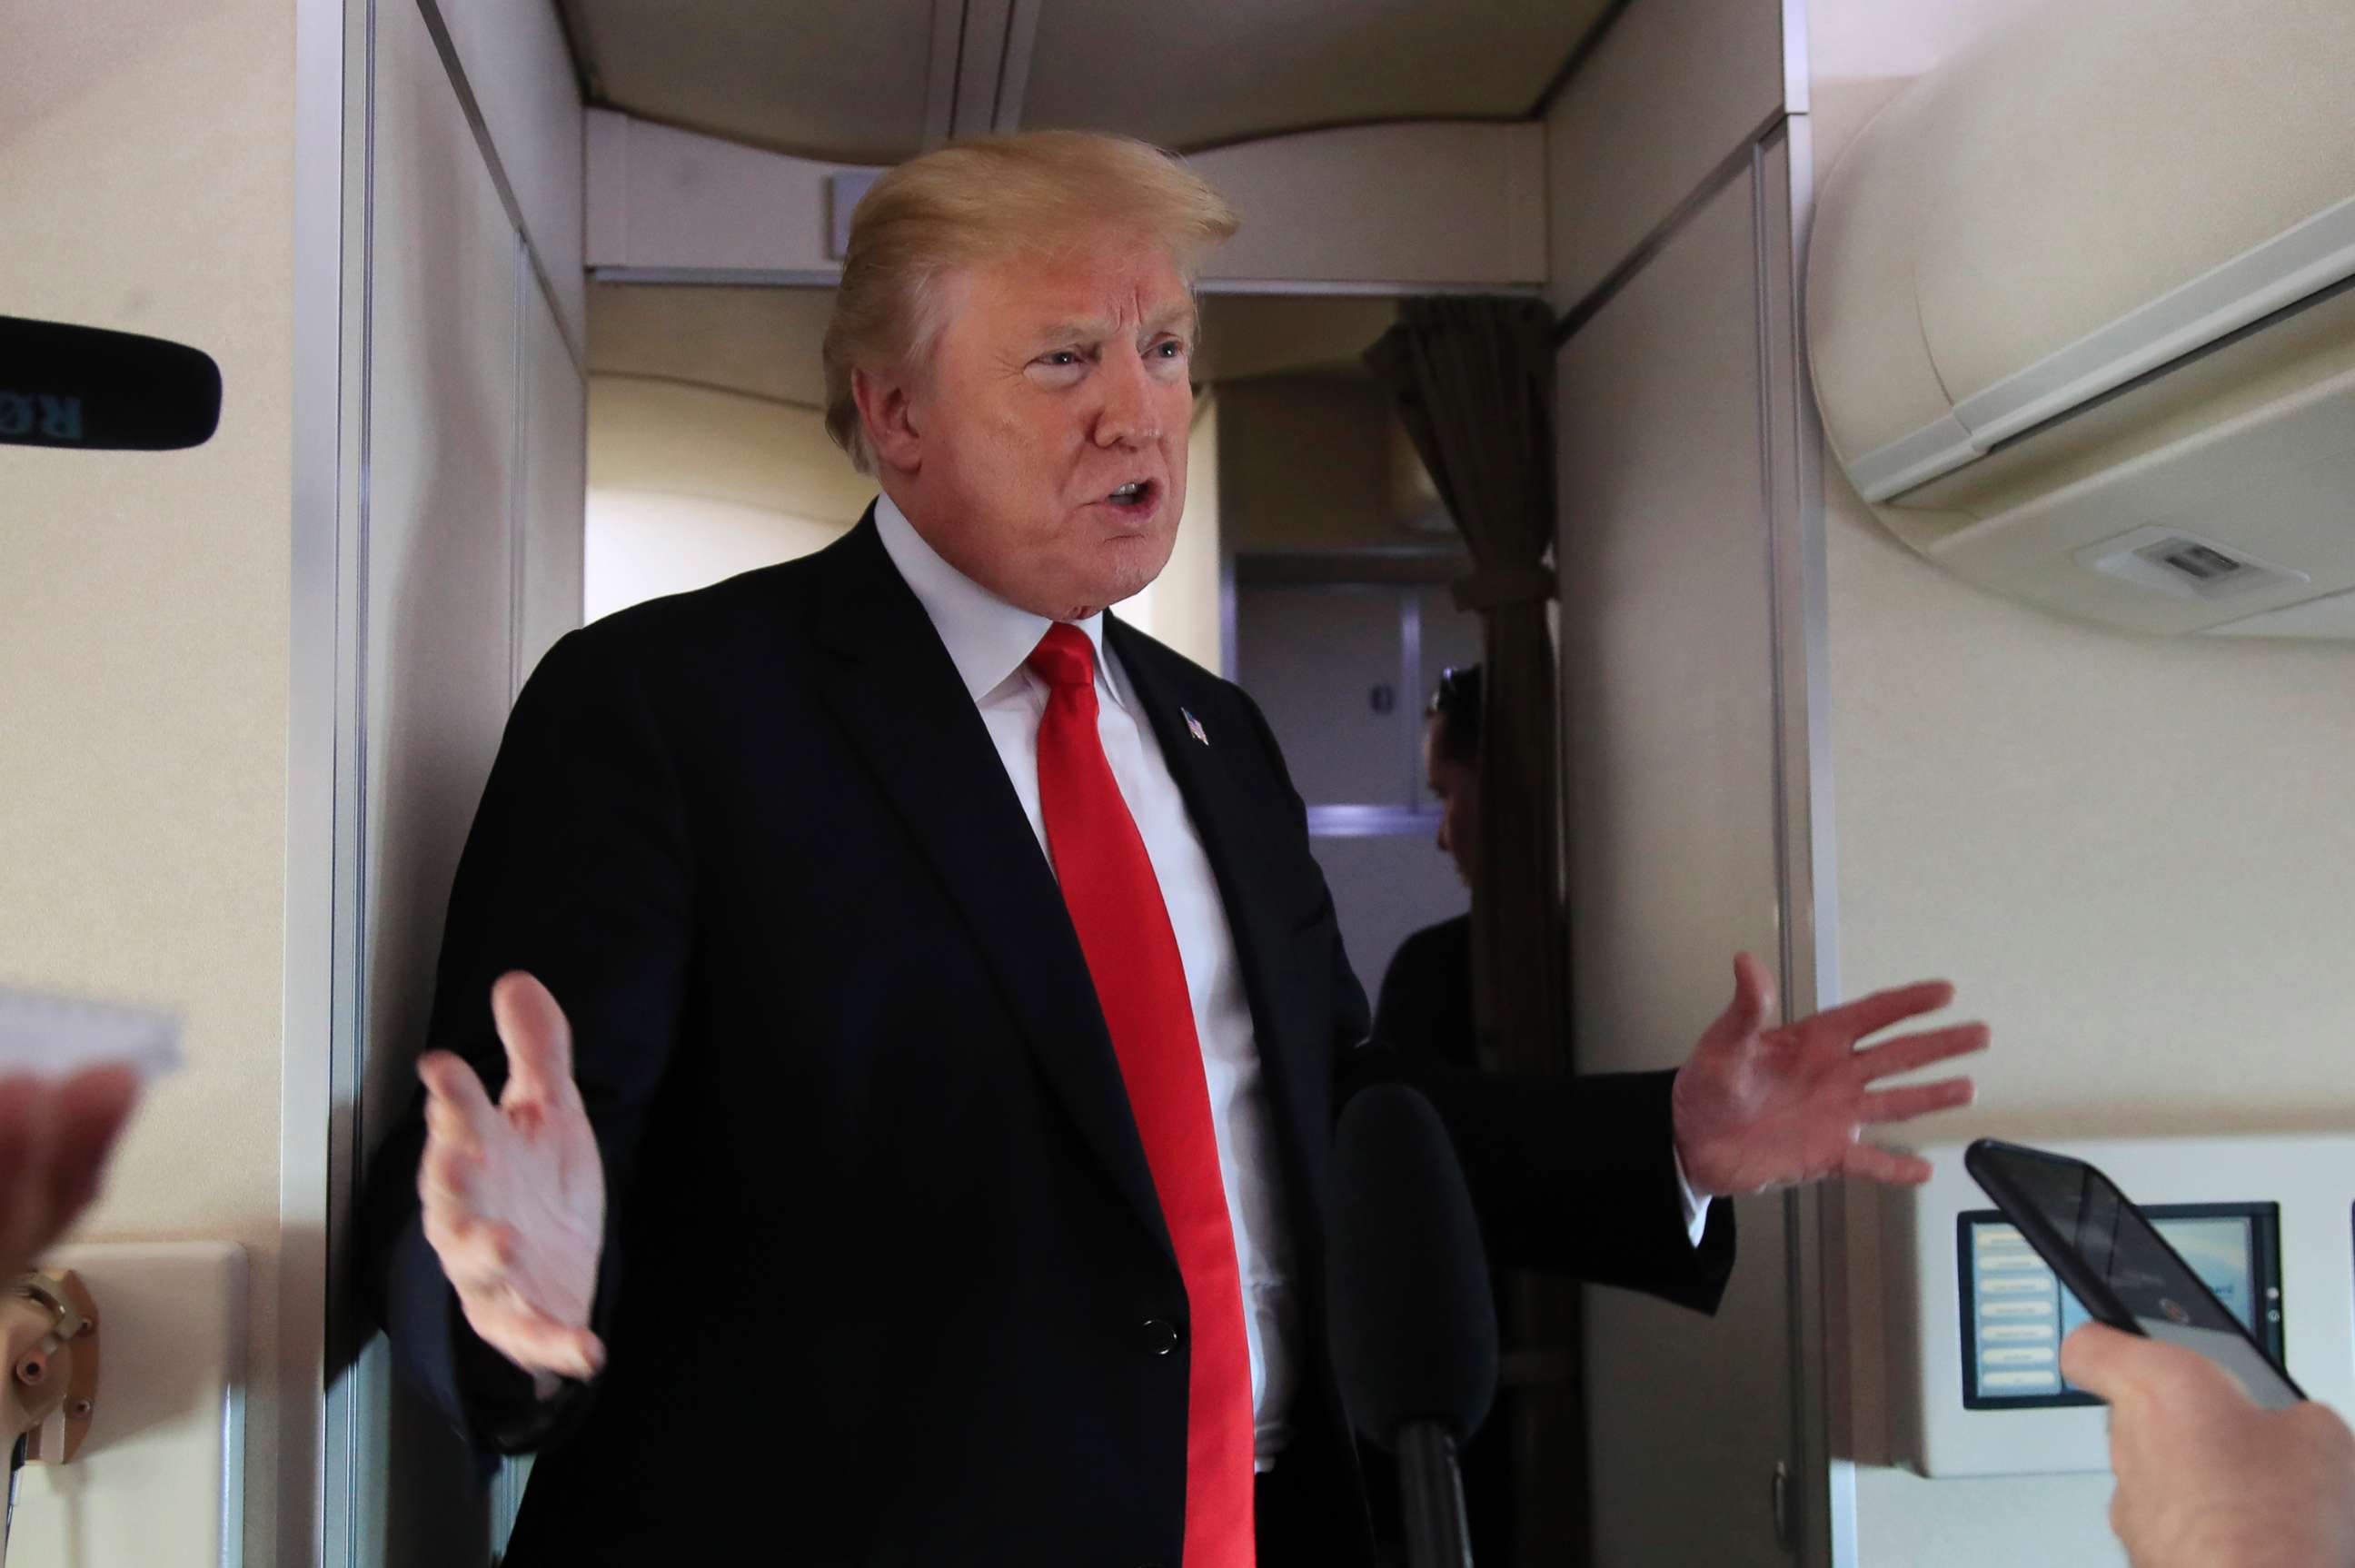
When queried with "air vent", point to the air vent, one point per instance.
{"points": [[2195, 561], [2184, 566]]}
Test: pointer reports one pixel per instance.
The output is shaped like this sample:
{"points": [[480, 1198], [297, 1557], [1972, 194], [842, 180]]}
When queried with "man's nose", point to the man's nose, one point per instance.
{"points": [[1128, 416]]}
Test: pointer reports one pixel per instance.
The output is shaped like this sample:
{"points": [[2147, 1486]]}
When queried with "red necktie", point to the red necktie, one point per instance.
{"points": [[1132, 955]]}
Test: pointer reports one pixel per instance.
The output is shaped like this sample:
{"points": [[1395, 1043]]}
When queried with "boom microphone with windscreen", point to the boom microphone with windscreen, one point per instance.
{"points": [[102, 392], [1412, 1322]]}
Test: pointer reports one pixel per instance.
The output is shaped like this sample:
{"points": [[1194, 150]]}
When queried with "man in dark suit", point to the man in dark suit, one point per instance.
{"points": [[1424, 1009], [1425, 1004], [919, 1022]]}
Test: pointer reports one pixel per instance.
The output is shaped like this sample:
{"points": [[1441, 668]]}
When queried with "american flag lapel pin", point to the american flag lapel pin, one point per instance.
{"points": [[1194, 727]]}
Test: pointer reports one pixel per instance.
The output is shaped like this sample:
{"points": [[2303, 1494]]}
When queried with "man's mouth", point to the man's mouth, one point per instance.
{"points": [[1137, 495]]}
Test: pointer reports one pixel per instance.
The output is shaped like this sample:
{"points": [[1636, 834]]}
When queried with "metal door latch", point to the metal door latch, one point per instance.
{"points": [[48, 1327]]}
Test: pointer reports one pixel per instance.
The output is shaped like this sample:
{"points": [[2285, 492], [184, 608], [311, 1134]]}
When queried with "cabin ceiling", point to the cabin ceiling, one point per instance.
{"points": [[764, 341], [1195, 73], [874, 81]]}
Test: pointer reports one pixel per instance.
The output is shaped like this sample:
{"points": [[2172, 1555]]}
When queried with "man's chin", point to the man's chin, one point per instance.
{"points": [[1097, 603], [1134, 566]]}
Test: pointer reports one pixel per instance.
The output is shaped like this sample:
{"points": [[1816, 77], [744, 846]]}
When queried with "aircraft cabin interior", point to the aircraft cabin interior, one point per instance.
{"points": [[1890, 465]]}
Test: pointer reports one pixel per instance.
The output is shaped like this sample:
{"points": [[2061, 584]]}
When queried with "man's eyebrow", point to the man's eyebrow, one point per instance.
{"points": [[1096, 328], [1176, 319], [1089, 331]]}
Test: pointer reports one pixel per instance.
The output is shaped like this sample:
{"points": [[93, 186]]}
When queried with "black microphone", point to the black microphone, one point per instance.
{"points": [[102, 392], [1412, 1322]]}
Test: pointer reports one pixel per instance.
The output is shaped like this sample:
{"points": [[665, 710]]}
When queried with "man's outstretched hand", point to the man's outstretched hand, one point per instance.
{"points": [[1760, 1106], [514, 1193]]}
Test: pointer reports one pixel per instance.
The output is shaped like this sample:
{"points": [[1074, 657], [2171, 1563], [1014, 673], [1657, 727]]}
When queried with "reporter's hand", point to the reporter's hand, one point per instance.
{"points": [[514, 1194], [54, 1136], [2206, 1478], [1759, 1106]]}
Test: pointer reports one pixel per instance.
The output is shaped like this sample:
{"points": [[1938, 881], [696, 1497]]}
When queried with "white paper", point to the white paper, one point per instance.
{"points": [[56, 1037]]}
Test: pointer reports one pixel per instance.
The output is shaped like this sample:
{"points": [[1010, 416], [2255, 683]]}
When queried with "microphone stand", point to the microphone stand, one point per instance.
{"points": [[1436, 1533]]}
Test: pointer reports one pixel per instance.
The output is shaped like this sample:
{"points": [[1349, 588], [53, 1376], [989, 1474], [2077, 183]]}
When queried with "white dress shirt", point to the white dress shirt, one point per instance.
{"points": [[989, 642]]}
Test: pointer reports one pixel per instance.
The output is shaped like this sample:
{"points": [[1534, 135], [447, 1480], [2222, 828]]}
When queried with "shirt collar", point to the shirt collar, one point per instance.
{"points": [[988, 640]]}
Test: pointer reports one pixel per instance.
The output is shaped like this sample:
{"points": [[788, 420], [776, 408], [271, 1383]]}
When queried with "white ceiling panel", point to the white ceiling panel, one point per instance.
{"points": [[876, 81], [840, 79], [1193, 73]]}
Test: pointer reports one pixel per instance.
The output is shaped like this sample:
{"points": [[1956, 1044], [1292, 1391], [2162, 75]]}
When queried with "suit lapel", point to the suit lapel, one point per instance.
{"points": [[1233, 826], [901, 701]]}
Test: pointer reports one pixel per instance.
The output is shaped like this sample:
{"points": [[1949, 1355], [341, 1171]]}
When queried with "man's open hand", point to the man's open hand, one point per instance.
{"points": [[514, 1193], [2206, 1478], [1758, 1107]]}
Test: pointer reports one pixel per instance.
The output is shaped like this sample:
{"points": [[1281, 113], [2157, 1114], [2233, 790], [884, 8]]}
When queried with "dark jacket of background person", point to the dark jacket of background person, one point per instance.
{"points": [[885, 1280], [1426, 997], [1425, 1012]]}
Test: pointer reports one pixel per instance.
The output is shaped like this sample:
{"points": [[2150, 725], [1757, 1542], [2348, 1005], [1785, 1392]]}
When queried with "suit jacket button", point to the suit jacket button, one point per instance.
{"points": [[1159, 1336]]}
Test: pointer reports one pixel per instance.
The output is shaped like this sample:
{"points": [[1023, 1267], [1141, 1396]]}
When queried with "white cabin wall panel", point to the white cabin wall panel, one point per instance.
{"points": [[1429, 202], [605, 188], [147, 180], [666, 198], [1673, 88], [445, 395], [444, 478], [645, 544], [2129, 852], [1185, 606], [551, 527], [662, 437], [1668, 675], [521, 75]]}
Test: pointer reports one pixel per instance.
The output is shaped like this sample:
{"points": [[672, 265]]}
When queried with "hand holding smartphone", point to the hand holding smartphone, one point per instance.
{"points": [[2108, 1253]]}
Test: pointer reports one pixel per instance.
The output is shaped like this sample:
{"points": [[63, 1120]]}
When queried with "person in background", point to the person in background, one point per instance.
{"points": [[1425, 1011], [1426, 995], [2206, 1477], [55, 1137]]}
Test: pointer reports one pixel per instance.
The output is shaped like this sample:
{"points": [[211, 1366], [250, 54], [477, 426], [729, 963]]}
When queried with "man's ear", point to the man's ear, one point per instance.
{"points": [[883, 408]]}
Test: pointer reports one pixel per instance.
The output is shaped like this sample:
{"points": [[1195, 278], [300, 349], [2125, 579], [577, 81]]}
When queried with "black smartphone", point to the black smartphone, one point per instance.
{"points": [[2114, 1261]]}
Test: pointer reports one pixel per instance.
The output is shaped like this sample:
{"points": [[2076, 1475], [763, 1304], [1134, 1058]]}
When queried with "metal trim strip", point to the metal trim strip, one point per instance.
{"points": [[1916, 459]]}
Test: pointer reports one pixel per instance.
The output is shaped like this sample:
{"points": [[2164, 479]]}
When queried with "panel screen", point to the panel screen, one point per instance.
{"points": [[2015, 1313]]}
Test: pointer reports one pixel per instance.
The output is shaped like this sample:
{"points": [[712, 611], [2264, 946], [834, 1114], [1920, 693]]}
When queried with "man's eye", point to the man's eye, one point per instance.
{"points": [[1170, 349], [1061, 357]]}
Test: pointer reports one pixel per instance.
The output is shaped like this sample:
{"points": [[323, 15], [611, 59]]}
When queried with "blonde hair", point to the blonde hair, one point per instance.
{"points": [[978, 203]]}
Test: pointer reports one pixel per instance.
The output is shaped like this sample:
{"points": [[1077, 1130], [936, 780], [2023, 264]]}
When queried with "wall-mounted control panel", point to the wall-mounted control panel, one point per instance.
{"points": [[2015, 1313], [1976, 1319]]}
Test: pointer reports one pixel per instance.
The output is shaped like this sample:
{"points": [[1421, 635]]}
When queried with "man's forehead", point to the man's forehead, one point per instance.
{"points": [[1106, 294]]}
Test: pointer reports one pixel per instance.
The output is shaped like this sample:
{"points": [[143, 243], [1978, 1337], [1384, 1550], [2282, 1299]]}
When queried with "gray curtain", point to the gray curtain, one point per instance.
{"points": [[1473, 379]]}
